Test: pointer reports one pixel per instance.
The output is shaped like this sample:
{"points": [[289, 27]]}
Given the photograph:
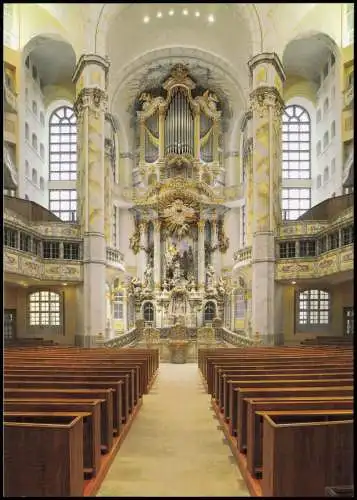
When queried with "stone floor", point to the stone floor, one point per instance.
{"points": [[175, 446]]}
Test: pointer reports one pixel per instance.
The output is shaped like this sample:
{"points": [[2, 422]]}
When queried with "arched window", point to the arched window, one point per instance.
{"points": [[63, 145], [325, 174], [45, 308], [314, 308], [34, 176], [118, 305], [333, 129], [27, 131], [296, 144], [326, 140], [34, 141], [210, 311], [148, 312], [34, 107]]}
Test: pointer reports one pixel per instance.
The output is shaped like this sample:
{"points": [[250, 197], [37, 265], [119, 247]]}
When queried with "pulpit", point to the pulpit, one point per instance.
{"points": [[178, 344]]}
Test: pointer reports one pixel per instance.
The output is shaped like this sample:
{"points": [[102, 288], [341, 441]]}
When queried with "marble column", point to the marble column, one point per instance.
{"points": [[157, 255], [143, 244], [90, 78], [201, 254], [266, 106]]}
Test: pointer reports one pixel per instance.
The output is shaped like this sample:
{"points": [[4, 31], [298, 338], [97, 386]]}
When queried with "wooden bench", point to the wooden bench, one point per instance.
{"points": [[105, 395], [30, 444], [252, 442], [91, 425], [340, 491], [322, 453]]}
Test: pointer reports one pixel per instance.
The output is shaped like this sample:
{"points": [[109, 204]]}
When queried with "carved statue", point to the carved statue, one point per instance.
{"points": [[135, 287], [148, 276], [211, 99], [221, 286], [223, 240], [149, 101], [210, 276], [135, 239]]}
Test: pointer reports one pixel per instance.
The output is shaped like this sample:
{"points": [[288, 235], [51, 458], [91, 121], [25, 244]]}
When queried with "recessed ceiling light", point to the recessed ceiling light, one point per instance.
{"points": [[146, 19], [211, 18], [64, 284], [197, 14], [185, 12], [171, 12], [159, 14], [293, 282]]}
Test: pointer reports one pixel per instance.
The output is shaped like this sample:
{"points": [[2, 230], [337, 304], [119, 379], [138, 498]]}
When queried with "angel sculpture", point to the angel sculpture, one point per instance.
{"points": [[211, 100]]}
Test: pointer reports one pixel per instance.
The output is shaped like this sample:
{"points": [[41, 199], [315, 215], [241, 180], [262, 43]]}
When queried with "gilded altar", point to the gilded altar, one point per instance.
{"points": [[179, 218]]}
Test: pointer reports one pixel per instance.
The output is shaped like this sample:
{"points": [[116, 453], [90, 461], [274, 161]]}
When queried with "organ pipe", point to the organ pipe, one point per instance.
{"points": [[179, 127]]}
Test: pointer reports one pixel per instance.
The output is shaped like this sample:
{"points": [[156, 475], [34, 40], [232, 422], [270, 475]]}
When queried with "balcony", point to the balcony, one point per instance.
{"points": [[10, 170], [115, 259], [329, 263], [10, 99], [242, 257], [35, 267], [349, 97]]}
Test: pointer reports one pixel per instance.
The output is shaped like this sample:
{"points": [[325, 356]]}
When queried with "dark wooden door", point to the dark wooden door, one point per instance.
{"points": [[348, 321], [9, 324]]}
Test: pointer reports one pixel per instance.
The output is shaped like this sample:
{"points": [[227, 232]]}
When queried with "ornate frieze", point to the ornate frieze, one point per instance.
{"points": [[331, 262], [264, 98], [94, 98], [33, 266]]}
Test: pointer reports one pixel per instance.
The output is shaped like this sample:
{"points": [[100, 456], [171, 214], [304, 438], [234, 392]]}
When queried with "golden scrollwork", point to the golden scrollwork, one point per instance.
{"points": [[135, 239], [178, 217], [94, 98], [264, 98]]}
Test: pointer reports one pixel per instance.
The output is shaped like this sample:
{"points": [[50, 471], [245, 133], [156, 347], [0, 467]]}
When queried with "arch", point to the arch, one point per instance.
{"points": [[210, 311], [148, 311]]}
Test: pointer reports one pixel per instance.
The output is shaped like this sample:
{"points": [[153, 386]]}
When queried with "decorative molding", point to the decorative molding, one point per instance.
{"points": [[263, 98], [18, 262], [331, 262], [268, 58], [94, 98], [86, 59]]}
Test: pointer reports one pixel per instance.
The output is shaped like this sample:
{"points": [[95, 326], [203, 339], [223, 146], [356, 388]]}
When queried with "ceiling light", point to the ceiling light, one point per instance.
{"points": [[146, 19], [211, 18], [197, 14], [171, 12], [159, 14], [185, 12], [64, 284], [293, 282]]}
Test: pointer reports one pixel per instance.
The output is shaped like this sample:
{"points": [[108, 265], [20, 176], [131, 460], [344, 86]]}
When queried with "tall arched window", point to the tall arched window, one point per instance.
{"points": [[45, 308], [63, 145], [296, 143], [148, 311], [118, 305], [313, 308], [210, 311]]}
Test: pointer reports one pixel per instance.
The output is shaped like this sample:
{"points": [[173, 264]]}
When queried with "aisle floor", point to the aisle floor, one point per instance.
{"points": [[175, 446]]}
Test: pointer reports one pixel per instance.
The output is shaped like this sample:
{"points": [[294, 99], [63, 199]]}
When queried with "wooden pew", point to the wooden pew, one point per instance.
{"points": [[115, 387], [323, 454], [340, 491], [242, 394], [29, 447], [105, 395], [252, 441], [91, 425]]}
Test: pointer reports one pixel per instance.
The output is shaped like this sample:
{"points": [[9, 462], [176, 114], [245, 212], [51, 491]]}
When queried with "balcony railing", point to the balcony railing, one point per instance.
{"points": [[10, 99], [243, 256], [10, 164], [124, 339], [237, 339], [349, 97], [115, 258]]}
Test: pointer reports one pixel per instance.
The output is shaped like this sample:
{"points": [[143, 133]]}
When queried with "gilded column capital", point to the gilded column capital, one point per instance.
{"points": [[93, 98], [264, 98], [201, 225]]}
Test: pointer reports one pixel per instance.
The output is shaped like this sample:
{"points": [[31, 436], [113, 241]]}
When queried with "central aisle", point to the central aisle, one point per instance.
{"points": [[175, 447]]}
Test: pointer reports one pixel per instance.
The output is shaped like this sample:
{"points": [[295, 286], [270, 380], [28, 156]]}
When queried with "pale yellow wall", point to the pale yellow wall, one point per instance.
{"points": [[341, 296], [15, 297]]}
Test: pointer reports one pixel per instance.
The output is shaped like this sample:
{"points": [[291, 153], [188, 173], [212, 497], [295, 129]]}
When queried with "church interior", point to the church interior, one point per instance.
{"points": [[194, 163]]}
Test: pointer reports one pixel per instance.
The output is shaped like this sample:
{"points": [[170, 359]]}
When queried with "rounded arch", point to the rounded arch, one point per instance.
{"points": [[210, 311], [148, 311]]}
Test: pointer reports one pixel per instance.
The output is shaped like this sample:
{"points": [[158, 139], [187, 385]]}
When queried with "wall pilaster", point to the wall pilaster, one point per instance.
{"points": [[90, 106], [266, 106]]}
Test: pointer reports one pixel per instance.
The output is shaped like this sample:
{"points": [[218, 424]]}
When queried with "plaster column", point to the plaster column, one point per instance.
{"points": [[214, 243], [201, 254], [142, 253], [157, 255], [267, 106], [90, 77]]}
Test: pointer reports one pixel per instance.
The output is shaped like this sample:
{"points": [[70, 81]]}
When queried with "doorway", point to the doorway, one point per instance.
{"points": [[348, 321], [9, 324]]}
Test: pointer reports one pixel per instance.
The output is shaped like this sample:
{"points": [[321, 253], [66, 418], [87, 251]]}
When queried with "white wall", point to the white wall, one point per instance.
{"points": [[332, 153], [32, 188]]}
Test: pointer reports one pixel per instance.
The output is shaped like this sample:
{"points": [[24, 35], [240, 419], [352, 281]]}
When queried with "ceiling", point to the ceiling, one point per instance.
{"points": [[55, 60], [305, 57]]}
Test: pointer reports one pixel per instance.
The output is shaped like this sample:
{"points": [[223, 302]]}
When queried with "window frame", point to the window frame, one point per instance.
{"points": [[313, 298], [62, 209], [62, 150], [296, 143], [300, 210], [43, 316]]}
